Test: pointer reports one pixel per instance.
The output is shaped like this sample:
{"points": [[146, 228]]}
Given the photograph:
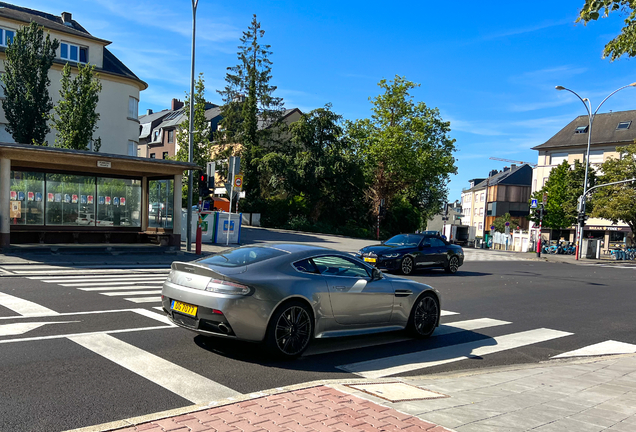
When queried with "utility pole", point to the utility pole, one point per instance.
{"points": [[190, 132]]}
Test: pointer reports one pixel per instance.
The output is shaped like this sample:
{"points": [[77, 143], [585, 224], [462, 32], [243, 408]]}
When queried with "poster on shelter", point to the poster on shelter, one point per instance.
{"points": [[15, 210], [67, 198], [83, 199], [74, 199], [14, 196], [90, 199], [116, 201], [107, 200], [38, 196], [30, 196], [50, 197], [122, 201], [20, 196], [101, 200], [58, 197]]}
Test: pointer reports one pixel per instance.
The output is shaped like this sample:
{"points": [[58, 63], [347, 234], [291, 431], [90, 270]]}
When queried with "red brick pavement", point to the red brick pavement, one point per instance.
{"points": [[315, 409]]}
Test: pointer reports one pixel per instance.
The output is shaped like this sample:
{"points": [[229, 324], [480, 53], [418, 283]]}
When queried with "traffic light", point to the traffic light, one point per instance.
{"points": [[382, 211], [582, 218], [204, 190]]}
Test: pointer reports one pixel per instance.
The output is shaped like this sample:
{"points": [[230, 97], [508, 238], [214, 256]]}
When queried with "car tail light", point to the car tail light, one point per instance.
{"points": [[224, 287], [216, 311]]}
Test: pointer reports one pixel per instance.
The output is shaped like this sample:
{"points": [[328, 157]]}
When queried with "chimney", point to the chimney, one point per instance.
{"points": [[506, 169], [492, 173], [513, 166], [176, 104], [67, 18], [148, 111]]}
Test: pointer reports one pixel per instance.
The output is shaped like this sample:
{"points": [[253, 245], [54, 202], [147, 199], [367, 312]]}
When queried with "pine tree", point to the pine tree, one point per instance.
{"points": [[75, 118], [248, 101], [26, 80]]}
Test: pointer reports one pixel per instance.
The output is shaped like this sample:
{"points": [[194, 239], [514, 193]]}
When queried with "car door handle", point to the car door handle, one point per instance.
{"points": [[340, 288], [403, 292]]}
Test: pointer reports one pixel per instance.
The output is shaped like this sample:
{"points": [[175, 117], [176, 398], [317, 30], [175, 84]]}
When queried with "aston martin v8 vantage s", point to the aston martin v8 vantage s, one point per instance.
{"points": [[286, 294]]}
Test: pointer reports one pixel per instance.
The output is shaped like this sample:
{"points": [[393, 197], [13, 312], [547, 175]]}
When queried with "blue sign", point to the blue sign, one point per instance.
{"points": [[534, 203], [231, 226]]}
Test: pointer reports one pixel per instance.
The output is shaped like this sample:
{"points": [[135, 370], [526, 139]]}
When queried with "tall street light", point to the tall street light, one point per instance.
{"points": [[590, 117], [195, 3]]}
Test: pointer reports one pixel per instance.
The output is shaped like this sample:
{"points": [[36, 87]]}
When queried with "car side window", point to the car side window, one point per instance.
{"points": [[435, 242], [332, 265], [306, 266], [426, 241]]}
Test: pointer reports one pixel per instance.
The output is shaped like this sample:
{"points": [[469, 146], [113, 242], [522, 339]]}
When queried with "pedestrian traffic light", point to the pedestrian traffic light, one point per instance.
{"points": [[382, 211], [204, 190], [582, 218]]}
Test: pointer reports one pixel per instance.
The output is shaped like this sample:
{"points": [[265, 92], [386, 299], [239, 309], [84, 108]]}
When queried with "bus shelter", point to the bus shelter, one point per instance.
{"points": [[53, 195]]}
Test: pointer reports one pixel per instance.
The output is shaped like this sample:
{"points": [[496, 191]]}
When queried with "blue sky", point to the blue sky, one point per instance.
{"points": [[489, 67]]}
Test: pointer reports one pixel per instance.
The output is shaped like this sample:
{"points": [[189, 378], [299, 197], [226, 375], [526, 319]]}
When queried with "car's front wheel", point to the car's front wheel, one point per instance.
{"points": [[406, 266], [290, 330], [424, 316], [453, 265]]}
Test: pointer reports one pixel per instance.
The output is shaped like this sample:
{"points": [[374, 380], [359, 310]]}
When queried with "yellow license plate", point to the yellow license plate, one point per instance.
{"points": [[185, 308], [369, 259]]}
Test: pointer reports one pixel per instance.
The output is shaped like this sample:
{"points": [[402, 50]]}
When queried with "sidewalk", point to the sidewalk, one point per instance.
{"points": [[582, 394]]}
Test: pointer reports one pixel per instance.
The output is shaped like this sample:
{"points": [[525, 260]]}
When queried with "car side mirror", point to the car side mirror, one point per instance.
{"points": [[376, 274], [420, 247]]}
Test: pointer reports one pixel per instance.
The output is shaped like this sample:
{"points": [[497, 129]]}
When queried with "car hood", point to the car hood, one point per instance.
{"points": [[384, 249]]}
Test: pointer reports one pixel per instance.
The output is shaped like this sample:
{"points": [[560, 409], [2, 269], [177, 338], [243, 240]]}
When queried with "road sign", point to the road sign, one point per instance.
{"points": [[507, 223], [492, 227], [238, 182], [534, 203], [545, 199]]}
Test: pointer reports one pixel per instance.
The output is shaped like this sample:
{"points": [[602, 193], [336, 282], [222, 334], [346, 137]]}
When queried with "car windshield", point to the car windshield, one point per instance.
{"points": [[403, 240], [242, 256]]}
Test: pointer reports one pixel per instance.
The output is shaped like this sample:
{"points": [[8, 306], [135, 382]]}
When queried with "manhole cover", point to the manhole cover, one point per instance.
{"points": [[397, 391]]}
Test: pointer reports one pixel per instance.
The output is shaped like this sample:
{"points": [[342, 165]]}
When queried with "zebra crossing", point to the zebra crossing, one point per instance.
{"points": [[139, 288], [471, 255], [24, 270]]}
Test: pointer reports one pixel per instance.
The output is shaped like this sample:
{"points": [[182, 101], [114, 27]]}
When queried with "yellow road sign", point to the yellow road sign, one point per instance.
{"points": [[238, 182]]}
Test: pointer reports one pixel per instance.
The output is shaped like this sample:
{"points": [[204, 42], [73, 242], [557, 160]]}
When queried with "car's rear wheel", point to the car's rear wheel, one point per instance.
{"points": [[453, 265], [424, 316], [406, 266], [290, 330]]}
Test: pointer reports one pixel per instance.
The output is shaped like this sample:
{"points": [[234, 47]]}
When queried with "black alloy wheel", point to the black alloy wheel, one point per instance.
{"points": [[424, 316], [290, 330], [406, 265], [453, 265]]}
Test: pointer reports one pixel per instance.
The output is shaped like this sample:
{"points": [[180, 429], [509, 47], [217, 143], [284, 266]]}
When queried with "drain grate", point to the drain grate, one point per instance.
{"points": [[397, 391]]}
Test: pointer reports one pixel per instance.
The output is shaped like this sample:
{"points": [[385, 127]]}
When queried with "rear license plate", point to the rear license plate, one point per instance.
{"points": [[372, 260], [185, 308]]}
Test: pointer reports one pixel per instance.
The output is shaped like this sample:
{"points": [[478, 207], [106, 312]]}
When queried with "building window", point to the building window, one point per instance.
{"points": [[132, 148], [581, 129], [482, 197], [534, 185], [6, 36], [481, 211], [156, 136], [170, 136], [165, 155], [623, 125], [74, 53], [152, 156], [133, 109], [545, 180], [481, 226]]}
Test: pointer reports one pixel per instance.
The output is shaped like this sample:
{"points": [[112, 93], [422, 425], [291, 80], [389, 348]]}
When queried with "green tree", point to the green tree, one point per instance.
{"points": [[563, 187], [617, 202], [406, 149], [26, 80], [248, 102], [75, 118], [625, 42], [200, 137], [500, 223], [318, 164]]}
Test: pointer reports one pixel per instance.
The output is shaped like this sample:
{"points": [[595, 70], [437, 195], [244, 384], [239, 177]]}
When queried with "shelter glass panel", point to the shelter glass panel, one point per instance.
{"points": [[118, 202], [70, 200], [27, 205], [160, 204]]}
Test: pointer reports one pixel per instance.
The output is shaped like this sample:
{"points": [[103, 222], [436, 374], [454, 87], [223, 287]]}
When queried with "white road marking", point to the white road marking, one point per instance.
{"points": [[424, 359], [144, 299], [159, 308], [61, 336], [119, 288], [448, 313], [335, 345], [24, 307], [21, 328], [189, 385], [127, 293], [159, 280], [88, 270], [84, 278], [77, 313], [609, 347], [154, 315]]}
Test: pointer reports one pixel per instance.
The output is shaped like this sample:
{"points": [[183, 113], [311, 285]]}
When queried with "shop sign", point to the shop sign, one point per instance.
{"points": [[103, 164], [606, 228]]}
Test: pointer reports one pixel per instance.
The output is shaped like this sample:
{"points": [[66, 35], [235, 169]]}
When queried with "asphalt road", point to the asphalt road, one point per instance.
{"points": [[57, 376]]}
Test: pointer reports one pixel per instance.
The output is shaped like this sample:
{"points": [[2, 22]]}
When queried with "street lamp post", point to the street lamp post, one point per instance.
{"points": [[195, 3], [590, 117]]}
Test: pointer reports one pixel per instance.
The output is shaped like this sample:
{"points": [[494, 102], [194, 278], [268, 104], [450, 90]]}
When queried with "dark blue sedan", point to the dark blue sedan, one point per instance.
{"points": [[407, 252]]}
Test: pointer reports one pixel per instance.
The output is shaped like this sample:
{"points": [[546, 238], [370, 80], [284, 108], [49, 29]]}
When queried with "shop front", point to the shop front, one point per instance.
{"points": [[612, 237], [51, 195]]}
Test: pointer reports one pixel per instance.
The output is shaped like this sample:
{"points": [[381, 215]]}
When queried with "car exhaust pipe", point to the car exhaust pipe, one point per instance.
{"points": [[224, 329]]}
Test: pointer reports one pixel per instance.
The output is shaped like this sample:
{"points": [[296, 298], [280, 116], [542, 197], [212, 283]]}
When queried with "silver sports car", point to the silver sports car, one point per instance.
{"points": [[287, 294]]}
